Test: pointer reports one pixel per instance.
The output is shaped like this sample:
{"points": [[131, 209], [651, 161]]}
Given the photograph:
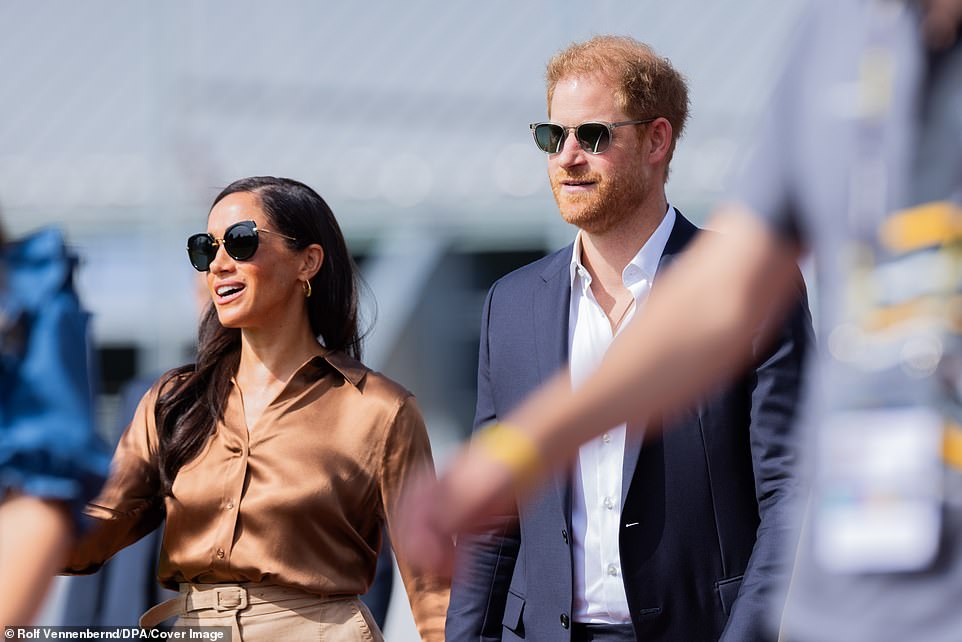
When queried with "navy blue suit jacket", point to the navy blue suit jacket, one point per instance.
{"points": [[705, 511]]}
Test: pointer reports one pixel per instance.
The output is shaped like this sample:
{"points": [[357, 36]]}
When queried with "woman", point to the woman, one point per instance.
{"points": [[50, 461], [276, 458]]}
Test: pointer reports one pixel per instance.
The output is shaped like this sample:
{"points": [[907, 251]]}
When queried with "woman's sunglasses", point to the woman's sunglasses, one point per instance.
{"points": [[594, 137], [240, 241]]}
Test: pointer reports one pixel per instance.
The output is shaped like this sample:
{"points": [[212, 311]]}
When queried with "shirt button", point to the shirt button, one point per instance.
{"points": [[564, 535], [565, 622], [606, 438], [220, 553], [608, 503], [612, 570], [230, 504]]}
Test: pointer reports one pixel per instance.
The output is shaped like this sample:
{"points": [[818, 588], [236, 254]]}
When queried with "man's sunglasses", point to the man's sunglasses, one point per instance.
{"points": [[240, 241], [594, 137]]}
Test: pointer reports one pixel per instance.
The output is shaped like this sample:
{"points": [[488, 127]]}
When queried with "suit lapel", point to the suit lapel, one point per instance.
{"points": [[633, 440], [551, 303], [681, 234]]}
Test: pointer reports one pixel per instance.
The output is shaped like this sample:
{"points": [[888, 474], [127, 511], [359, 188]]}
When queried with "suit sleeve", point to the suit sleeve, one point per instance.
{"points": [[774, 398], [487, 557]]}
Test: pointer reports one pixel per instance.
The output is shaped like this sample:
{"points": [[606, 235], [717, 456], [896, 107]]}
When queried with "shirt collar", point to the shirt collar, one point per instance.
{"points": [[575, 268], [351, 369], [643, 265]]}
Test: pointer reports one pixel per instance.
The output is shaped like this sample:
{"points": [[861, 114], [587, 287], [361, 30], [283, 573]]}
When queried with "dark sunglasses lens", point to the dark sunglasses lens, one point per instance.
{"points": [[240, 241], [201, 251], [594, 138], [549, 137]]}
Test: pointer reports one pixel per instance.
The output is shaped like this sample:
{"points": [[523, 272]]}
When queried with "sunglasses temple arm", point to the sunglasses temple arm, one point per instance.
{"points": [[283, 236]]}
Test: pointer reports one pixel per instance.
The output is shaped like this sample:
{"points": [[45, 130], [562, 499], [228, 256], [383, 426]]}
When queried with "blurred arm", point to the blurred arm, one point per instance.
{"points": [[696, 332], [34, 537]]}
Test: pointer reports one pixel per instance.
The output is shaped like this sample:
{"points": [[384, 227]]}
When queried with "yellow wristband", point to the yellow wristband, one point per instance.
{"points": [[512, 447]]}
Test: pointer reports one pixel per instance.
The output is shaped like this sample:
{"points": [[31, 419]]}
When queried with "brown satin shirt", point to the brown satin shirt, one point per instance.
{"points": [[298, 500]]}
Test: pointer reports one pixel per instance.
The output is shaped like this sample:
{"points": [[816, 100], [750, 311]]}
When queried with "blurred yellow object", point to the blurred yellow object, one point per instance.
{"points": [[888, 317], [952, 445], [931, 224], [948, 309]]}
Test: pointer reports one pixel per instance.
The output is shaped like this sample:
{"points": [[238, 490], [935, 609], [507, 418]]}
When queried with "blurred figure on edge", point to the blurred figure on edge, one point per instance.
{"points": [[50, 460], [861, 161], [654, 539], [276, 458]]}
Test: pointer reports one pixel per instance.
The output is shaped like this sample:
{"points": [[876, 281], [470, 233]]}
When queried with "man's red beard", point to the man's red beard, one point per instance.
{"points": [[597, 211]]}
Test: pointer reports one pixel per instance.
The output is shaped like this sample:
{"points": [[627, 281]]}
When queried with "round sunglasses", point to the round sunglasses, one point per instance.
{"points": [[594, 136], [240, 242]]}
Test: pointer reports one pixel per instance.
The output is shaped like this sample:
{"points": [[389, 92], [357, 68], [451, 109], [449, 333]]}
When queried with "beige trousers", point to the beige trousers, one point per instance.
{"points": [[266, 612]]}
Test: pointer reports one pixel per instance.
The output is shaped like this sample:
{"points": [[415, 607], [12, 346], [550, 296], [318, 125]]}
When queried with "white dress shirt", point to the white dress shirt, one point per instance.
{"points": [[599, 592]]}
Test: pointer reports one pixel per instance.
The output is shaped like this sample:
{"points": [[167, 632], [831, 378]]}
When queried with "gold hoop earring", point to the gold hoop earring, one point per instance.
{"points": [[307, 289]]}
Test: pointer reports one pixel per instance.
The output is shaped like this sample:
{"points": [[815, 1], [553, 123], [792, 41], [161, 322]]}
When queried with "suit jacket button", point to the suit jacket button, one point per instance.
{"points": [[564, 535], [565, 622]]}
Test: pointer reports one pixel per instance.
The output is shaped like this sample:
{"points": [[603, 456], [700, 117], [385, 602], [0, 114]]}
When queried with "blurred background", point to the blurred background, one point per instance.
{"points": [[120, 121]]}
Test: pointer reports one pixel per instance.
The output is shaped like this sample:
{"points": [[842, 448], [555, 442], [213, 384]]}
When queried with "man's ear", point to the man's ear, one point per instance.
{"points": [[659, 141], [312, 258]]}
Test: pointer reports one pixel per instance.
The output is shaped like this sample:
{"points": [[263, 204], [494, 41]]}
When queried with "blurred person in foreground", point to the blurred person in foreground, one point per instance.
{"points": [[647, 538], [278, 456], [861, 161], [50, 459]]}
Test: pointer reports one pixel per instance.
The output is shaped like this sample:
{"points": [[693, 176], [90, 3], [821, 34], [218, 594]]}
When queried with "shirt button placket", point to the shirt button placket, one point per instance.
{"points": [[225, 534]]}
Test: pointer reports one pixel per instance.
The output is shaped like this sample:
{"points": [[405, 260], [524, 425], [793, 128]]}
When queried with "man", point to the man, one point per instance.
{"points": [[659, 539], [862, 159]]}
